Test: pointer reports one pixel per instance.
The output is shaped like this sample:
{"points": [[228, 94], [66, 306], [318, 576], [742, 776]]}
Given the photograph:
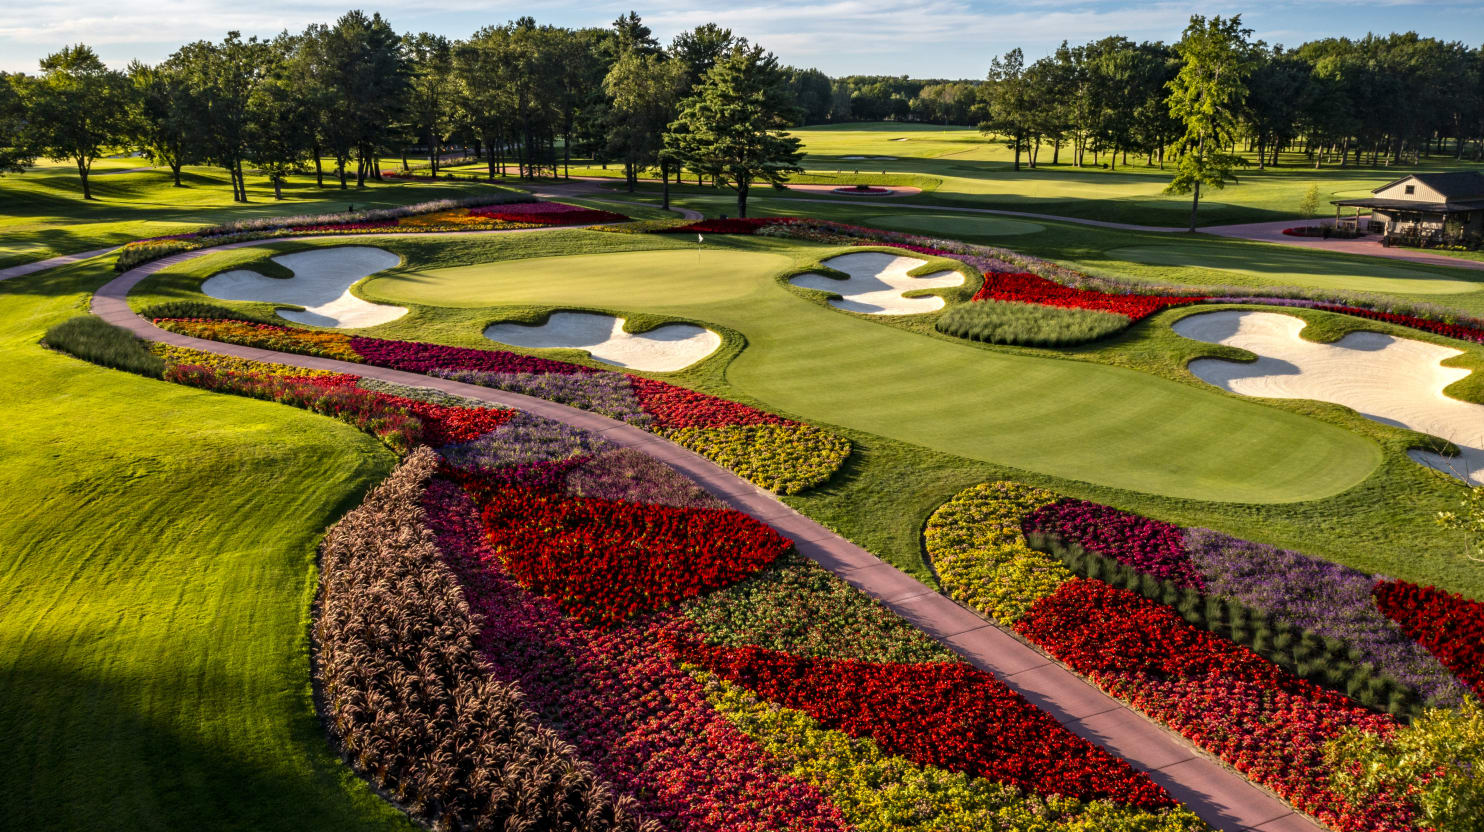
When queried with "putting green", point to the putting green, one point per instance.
{"points": [[699, 275], [1272, 265], [955, 225], [1090, 422]]}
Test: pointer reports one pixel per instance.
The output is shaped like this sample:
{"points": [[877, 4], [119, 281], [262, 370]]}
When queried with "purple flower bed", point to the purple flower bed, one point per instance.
{"points": [[415, 357], [1146, 545], [1330, 599], [524, 438], [633, 477], [607, 393]]}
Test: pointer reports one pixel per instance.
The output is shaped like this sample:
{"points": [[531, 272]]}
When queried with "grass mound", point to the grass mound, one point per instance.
{"points": [[202, 309], [92, 339], [1028, 324]]}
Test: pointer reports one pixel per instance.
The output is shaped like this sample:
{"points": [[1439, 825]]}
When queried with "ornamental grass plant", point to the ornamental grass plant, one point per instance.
{"points": [[1028, 324], [93, 339]]}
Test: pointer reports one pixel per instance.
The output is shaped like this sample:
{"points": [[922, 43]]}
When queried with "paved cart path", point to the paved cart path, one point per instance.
{"points": [[1224, 798]]}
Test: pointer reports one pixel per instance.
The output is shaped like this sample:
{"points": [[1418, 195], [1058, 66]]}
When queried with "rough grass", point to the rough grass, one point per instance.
{"points": [[94, 340], [157, 565], [1031, 324]]}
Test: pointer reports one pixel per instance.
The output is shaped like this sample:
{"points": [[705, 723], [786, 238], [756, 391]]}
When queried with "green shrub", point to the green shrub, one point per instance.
{"points": [[1028, 324], [202, 309], [93, 339], [135, 254]]}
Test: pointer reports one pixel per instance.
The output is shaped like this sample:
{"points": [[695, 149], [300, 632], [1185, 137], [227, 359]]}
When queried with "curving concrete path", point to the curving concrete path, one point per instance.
{"points": [[51, 263], [1222, 797]]}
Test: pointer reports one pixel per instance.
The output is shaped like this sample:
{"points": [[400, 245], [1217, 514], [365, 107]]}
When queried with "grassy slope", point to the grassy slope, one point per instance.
{"points": [[42, 213], [157, 566], [958, 166]]}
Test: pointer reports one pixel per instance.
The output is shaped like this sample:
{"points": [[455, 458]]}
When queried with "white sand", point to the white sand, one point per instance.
{"points": [[1396, 381], [664, 349], [877, 283], [321, 284]]}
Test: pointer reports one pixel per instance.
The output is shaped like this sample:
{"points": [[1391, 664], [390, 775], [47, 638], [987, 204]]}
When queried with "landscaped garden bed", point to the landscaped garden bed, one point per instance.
{"points": [[1271, 660], [779, 454]]}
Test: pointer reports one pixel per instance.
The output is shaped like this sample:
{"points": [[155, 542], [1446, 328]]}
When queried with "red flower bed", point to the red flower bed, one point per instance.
{"points": [[417, 357], [944, 714], [1463, 333], [1260, 719], [445, 425], [747, 225], [1447, 624], [364, 225], [1146, 545], [677, 407], [604, 561], [1024, 287], [537, 213]]}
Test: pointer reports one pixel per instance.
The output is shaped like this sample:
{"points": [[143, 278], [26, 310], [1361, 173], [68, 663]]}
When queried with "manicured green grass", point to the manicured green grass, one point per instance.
{"points": [[959, 166], [157, 566], [1200, 261], [1072, 419], [957, 226], [42, 213]]}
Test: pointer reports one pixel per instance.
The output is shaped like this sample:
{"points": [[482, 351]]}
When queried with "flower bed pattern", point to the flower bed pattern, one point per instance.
{"points": [[1258, 717], [776, 453], [1262, 721], [1448, 624], [1029, 288], [497, 648]]}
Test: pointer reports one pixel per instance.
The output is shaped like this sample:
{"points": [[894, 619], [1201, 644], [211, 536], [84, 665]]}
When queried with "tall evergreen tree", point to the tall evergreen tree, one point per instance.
{"points": [[733, 127]]}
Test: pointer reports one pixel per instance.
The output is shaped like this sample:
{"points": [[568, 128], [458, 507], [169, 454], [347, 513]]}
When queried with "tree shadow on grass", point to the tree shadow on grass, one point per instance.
{"points": [[84, 754]]}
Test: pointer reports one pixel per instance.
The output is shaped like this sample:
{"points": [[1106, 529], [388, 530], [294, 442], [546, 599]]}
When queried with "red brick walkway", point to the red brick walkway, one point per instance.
{"points": [[1220, 796]]}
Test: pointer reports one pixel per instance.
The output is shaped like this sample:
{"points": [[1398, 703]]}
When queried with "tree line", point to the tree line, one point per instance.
{"points": [[525, 98], [336, 100]]}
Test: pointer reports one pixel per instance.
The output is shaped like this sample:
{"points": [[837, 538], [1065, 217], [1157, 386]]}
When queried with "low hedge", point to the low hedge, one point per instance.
{"points": [[95, 340]]}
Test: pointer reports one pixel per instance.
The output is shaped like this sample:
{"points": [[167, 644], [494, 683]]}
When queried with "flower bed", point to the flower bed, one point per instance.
{"points": [[1217, 664], [1448, 624], [776, 453], [1029, 288], [459, 748], [1149, 546], [496, 213], [741, 225], [942, 714], [1267, 724]]}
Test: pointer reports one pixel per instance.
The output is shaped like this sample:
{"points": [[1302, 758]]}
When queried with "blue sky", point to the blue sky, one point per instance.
{"points": [[922, 38]]}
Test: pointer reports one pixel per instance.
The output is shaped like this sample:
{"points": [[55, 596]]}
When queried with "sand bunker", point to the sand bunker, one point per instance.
{"points": [[664, 349], [321, 284], [877, 282], [1396, 381]]}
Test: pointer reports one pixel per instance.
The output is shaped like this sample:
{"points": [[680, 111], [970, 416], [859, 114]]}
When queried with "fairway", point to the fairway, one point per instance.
{"points": [[157, 569], [1275, 265], [1101, 424], [955, 225]]}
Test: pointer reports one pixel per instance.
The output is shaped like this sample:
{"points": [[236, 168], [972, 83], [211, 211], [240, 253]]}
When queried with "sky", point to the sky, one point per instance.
{"points": [[920, 38]]}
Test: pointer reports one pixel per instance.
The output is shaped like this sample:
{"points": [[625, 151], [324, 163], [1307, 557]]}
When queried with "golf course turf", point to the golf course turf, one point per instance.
{"points": [[1071, 419], [160, 565]]}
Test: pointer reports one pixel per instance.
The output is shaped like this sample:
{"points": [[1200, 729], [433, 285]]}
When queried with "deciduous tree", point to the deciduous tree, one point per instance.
{"points": [[1207, 96], [77, 109]]}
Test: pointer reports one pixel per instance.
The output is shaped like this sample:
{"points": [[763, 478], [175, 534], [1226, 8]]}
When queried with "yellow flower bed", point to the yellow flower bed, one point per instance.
{"points": [[267, 336], [880, 792], [975, 543], [187, 356], [785, 459]]}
